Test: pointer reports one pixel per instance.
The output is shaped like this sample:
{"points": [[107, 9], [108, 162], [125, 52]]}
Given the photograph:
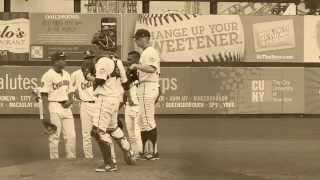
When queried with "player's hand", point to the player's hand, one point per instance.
{"points": [[67, 104], [90, 77], [49, 128], [134, 66], [128, 98]]}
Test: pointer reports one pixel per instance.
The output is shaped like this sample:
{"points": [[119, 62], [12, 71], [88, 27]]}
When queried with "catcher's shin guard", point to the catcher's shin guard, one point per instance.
{"points": [[104, 141], [105, 152], [119, 137]]}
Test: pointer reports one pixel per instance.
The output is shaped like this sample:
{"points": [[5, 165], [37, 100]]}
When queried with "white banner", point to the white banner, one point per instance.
{"points": [[201, 38], [274, 35], [312, 38], [14, 35]]}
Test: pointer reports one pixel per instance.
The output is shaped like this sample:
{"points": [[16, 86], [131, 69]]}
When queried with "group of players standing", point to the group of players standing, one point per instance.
{"points": [[101, 93]]}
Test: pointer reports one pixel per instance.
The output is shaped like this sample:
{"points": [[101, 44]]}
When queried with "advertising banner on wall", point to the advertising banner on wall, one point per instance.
{"points": [[273, 38], [312, 92], [220, 38], [271, 90], [311, 38], [71, 33], [197, 38], [228, 90], [14, 36]]}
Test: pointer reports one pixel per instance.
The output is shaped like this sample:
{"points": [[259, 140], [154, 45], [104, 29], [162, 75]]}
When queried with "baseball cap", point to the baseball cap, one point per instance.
{"points": [[89, 54], [141, 33], [58, 56]]}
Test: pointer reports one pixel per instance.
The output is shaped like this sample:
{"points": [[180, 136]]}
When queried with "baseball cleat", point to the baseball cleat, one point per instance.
{"points": [[141, 156], [154, 157], [130, 158], [107, 168], [147, 156], [111, 168]]}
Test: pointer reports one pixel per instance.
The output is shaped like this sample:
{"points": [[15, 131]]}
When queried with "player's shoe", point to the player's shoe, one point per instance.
{"points": [[130, 158], [141, 156], [107, 168], [154, 157]]}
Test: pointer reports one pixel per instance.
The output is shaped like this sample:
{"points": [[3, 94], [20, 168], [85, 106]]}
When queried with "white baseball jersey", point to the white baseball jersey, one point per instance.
{"points": [[150, 56], [133, 93], [104, 67], [57, 85], [84, 87]]}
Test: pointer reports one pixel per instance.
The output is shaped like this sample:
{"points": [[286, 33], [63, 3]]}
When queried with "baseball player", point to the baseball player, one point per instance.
{"points": [[148, 91], [56, 94], [105, 125], [84, 92], [132, 107]]}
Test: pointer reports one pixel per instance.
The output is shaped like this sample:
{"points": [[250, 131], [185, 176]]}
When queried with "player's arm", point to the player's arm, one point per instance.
{"points": [[69, 102], [123, 76], [44, 93], [144, 68], [74, 85], [150, 65], [96, 81], [45, 106], [101, 74], [125, 82]]}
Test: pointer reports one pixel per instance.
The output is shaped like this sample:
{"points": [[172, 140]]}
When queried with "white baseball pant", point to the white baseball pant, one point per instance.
{"points": [[147, 94], [63, 119], [133, 128], [106, 119], [87, 112]]}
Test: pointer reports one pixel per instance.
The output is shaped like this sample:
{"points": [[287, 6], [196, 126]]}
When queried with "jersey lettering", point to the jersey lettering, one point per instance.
{"points": [[86, 85], [56, 86]]}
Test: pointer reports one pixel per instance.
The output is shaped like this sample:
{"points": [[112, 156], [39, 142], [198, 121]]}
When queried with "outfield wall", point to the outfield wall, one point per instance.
{"points": [[186, 90]]}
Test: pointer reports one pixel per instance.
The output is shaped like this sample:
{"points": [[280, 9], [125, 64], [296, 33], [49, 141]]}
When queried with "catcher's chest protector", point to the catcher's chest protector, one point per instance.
{"points": [[116, 70]]}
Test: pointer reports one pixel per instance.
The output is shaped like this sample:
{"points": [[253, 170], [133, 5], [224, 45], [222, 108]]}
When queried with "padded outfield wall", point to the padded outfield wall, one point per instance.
{"points": [[209, 90]]}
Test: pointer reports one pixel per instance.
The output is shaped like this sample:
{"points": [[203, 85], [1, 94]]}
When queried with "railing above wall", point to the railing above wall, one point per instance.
{"points": [[146, 4]]}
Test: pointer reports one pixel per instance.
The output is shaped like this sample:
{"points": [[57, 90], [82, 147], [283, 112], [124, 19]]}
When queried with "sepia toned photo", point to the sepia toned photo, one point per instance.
{"points": [[159, 89]]}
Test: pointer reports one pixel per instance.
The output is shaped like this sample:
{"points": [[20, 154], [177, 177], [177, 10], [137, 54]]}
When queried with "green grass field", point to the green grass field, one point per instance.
{"points": [[191, 148]]}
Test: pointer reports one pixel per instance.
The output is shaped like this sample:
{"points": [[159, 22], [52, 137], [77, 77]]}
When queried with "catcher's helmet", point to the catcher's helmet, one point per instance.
{"points": [[104, 40]]}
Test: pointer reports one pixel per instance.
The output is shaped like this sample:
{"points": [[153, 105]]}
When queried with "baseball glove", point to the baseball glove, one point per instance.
{"points": [[49, 128], [132, 75]]}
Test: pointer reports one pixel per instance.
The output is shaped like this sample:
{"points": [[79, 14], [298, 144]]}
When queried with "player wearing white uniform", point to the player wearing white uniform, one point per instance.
{"points": [[84, 92], [56, 93], [105, 125], [132, 107], [148, 91]]}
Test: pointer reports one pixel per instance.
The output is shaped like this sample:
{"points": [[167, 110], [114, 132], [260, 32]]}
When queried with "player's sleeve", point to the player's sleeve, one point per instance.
{"points": [[123, 74], [153, 59], [70, 87], [103, 69], [74, 80], [45, 83]]}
